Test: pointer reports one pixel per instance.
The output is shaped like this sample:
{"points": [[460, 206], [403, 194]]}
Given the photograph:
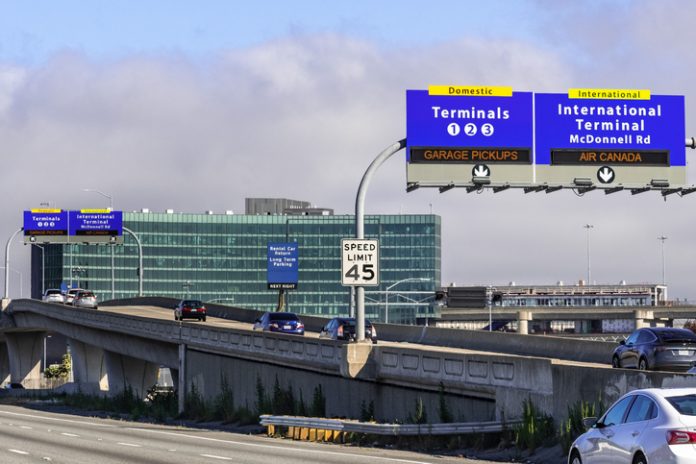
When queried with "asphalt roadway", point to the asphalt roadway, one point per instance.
{"points": [[38, 436]]}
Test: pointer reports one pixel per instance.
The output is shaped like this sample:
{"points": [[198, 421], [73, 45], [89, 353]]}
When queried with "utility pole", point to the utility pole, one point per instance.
{"points": [[662, 238], [589, 272]]}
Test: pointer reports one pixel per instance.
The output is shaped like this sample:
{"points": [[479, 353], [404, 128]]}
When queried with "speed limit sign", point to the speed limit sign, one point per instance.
{"points": [[359, 262]]}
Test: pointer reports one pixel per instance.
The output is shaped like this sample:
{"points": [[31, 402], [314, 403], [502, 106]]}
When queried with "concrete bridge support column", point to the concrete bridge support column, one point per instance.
{"points": [[523, 318], [124, 371], [25, 352], [643, 318], [88, 366], [4, 364]]}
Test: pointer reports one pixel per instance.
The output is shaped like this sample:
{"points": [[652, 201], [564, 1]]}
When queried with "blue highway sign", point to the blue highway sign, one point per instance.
{"points": [[283, 265]]}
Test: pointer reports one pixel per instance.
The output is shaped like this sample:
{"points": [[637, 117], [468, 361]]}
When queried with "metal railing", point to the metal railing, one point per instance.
{"points": [[370, 428]]}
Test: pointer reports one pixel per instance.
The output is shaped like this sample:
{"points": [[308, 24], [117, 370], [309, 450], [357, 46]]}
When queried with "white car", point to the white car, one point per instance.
{"points": [[70, 295], [53, 295], [651, 426]]}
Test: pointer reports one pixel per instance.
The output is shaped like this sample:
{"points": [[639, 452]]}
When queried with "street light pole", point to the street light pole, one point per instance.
{"points": [[386, 297], [589, 272], [113, 272], [43, 269], [21, 279], [662, 238]]}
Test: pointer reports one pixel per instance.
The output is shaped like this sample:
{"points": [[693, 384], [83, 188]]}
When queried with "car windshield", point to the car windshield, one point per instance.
{"points": [[52, 292], [686, 405], [86, 295], [193, 303], [283, 317], [677, 335]]}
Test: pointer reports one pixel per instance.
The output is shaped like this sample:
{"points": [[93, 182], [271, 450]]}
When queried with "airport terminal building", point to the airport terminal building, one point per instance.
{"points": [[458, 303], [223, 257]]}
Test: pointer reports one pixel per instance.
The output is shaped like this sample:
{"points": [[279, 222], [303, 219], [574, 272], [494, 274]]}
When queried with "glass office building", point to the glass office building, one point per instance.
{"points": [[224, 258]]}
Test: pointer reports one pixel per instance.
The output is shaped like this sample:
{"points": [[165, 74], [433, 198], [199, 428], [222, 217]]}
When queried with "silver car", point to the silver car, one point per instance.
{"points": [[85, 299], [70, 295], [53, 295], [643, 427]]}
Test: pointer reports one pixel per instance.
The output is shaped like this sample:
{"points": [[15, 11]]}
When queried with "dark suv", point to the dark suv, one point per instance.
{"points": [[658, 348], [343, 328], [190, 309]]}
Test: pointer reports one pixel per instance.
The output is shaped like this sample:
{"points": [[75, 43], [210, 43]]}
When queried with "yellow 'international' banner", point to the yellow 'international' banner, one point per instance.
{"points": [[470, 91], [96, 211], [46, 210], [610, 94]]}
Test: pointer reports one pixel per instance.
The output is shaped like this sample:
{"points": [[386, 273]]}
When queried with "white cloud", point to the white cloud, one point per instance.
{"points": [[302, 117]]}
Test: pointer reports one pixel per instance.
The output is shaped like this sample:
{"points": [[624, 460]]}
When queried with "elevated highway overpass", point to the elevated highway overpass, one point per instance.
{"points": [[482, 375]]}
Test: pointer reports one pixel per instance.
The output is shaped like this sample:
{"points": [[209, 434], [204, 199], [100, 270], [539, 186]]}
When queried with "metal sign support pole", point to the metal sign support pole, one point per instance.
{"points": [[360, 227], [7, 264], [141, 271]]}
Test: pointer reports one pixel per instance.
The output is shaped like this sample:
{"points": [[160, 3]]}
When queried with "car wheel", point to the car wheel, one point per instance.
{"points": [[575, 458], [640, 459], [643, 364], [176, 318], [615, 362]]}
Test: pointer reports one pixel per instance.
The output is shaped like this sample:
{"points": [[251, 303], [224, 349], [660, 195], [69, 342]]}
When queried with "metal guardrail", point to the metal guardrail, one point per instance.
{"points": [[370, 428]]}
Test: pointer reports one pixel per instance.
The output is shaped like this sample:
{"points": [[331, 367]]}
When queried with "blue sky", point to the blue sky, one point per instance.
{"points": [[32, 31], [294, 99]]}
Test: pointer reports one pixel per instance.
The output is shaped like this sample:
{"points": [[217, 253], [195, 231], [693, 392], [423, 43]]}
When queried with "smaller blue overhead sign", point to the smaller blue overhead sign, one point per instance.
{"points": [[283, 265], [91, 222], [45, 223]]}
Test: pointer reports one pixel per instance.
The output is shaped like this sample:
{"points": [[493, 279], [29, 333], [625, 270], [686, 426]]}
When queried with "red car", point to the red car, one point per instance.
{"points": [[190, 309]]}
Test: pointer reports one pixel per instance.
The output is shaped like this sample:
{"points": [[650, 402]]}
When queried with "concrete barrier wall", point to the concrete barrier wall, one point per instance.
{"points": [[501, 342], [344, 397]]}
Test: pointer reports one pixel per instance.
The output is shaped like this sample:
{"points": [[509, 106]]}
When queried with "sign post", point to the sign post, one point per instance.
{"points": [[359, 262], [610, 138], [452, 129], [283, 269]]}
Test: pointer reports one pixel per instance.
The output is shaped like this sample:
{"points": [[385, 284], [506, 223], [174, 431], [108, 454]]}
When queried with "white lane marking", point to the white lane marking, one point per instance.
{"points": [[26, 427], [129, 444], [278, 447], [17, 451], [69, 434], [94, 424], [212, 456]]}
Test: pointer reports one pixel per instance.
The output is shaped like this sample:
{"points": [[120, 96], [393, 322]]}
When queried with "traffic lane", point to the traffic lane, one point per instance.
{"points": [[157, 312], [41, 436]]}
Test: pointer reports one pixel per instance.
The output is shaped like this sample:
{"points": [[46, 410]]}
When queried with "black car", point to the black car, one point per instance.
{"points": [[280, 322], [190, 309], [343, 328], [658, 348]]}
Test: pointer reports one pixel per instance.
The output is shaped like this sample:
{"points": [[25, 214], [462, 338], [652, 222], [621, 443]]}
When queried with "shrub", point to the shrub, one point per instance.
{"points": [[572, 427], [536, 428]]}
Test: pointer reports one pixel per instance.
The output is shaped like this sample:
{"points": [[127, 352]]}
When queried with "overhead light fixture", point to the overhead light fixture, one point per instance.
{"points": [[582, 181], [687, 191], [636, 191], [659, 183], [500, 188], [473, 188], [554, 188], [447, 187], [535, 188], [586, 189], [613, 190], [412, 186], [666, 192], [32, 238]]}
